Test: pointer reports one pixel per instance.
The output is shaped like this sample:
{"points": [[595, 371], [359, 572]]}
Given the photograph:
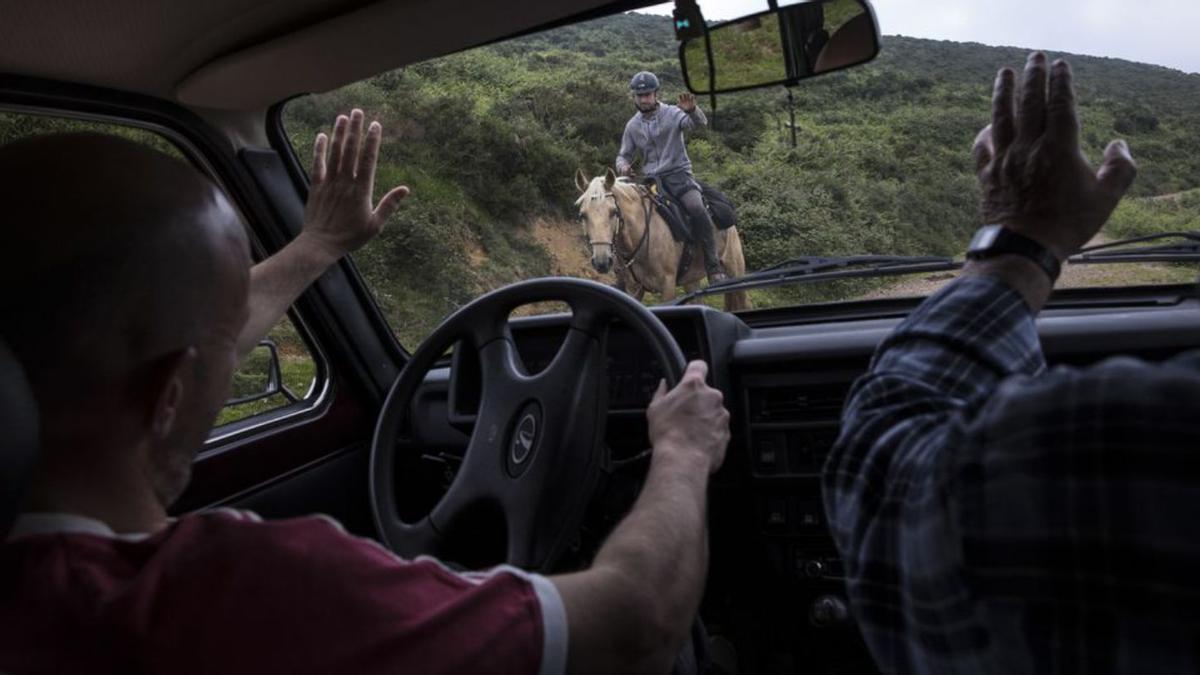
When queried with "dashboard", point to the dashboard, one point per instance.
{"points": [[775, 579]]}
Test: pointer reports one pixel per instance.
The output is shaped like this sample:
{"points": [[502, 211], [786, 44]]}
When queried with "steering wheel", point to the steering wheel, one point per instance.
{"points": [[537, 449]]}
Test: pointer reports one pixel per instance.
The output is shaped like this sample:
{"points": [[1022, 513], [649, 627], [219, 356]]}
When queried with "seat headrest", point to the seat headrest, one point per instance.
{"points": [[18, 437]]}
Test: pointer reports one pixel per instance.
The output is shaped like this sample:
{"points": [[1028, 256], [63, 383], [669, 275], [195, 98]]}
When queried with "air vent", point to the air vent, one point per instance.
{"points": [[818, 402]]}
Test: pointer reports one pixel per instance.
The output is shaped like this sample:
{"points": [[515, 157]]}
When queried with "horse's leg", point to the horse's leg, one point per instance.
{"points": [[632, 285], [633, 281], [633, 288], [735, 266], [736, 301], [622, 283], [668, 286]]}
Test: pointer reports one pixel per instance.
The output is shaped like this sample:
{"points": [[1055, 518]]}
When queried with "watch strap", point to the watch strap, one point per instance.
{"points": [[993, 240]]}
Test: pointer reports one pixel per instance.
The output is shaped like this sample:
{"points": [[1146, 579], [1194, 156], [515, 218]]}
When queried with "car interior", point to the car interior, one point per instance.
{"points": [[382, 434]]}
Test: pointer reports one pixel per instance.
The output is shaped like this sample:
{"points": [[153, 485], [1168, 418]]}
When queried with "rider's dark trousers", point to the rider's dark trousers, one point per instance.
{"points": [[702, 229]]}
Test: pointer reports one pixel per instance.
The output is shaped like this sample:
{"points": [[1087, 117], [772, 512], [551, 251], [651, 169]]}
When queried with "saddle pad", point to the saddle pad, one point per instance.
{"points": [[675, 218]]}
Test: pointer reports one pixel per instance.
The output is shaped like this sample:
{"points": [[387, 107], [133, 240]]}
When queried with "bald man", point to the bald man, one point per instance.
{"points": [[129, 297]]}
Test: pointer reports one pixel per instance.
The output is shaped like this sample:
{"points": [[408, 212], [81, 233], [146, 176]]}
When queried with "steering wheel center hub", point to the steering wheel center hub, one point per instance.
{"points": [[523, 439]]}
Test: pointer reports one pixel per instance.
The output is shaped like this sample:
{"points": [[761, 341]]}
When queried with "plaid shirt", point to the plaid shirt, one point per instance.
{"points": [[996, 517]]}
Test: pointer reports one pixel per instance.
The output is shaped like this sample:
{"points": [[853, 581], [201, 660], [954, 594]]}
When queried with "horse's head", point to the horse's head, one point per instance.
{"points": [[600, 217]]}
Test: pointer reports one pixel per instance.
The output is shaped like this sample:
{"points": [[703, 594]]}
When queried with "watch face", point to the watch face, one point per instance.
{"points": [[984, 238]]}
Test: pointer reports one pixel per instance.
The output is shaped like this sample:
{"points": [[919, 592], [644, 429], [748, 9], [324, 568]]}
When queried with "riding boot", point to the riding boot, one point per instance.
{"points": [[712, 264]]}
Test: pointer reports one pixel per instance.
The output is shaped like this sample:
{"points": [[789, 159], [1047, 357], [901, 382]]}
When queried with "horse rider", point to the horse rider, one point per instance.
{"points": [[656, 130]]}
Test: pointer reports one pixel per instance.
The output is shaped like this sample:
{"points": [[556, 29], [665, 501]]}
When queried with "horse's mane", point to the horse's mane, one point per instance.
{"points": [[595, 190]]}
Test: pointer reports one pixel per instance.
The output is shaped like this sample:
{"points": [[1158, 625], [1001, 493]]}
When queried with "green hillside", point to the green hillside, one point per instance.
{"points": [[1174, 212], [489, 140]]}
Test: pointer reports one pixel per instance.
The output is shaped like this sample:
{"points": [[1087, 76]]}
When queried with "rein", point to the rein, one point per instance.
{"points": [[641, 245]]}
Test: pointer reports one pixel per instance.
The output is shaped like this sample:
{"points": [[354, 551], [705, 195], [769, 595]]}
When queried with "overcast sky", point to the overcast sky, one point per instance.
{"points": [[1163, 32]]}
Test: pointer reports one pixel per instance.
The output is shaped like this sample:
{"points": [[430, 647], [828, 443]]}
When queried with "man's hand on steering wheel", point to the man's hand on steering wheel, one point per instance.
{"points": [[690, 421]]}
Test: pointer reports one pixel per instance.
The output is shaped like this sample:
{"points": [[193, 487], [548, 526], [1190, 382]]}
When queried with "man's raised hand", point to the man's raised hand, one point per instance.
{"points": [[687, 102], [1034, 176], [340, 217]]}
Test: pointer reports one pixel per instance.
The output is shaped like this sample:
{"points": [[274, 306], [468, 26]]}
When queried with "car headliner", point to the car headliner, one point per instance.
{"points": [[244, 55]]}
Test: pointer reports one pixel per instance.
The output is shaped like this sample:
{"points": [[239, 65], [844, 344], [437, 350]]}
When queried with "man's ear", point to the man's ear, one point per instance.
{"points": [[168, 384], [581, 180], [609, 179]]}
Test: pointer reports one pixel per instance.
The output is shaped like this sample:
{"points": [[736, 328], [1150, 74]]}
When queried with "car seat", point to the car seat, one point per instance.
{"points": [[18, 437]]}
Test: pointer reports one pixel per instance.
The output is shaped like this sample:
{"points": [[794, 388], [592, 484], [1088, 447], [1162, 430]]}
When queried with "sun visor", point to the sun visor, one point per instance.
{"points": [[362, 43]]}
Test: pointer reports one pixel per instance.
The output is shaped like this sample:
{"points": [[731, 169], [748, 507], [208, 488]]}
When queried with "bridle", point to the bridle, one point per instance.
{"points": [[641, 245], [616, 212]]}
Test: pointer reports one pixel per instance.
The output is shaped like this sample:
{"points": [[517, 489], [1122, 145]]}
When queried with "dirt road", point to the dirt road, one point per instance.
{"points": [[1073, 276]]}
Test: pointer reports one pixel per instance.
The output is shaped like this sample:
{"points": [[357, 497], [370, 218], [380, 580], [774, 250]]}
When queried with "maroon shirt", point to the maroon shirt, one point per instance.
{"points": [[223, 592]]}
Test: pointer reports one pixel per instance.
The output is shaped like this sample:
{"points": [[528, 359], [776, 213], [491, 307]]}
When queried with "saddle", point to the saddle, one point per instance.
{"points": [[720, 209]]}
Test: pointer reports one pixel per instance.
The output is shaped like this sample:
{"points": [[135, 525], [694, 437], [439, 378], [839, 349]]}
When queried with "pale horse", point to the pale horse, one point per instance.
{"points": [[613, 214]]}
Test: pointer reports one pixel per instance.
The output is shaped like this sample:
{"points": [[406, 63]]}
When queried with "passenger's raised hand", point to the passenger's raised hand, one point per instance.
{"points": [[340, 216], [1035, 178], [687, 102], [690, 421]]}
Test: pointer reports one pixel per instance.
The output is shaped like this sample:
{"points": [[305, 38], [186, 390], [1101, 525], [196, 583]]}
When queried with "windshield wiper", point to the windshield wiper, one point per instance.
{"points": [[823, 268], [1126, 250]]}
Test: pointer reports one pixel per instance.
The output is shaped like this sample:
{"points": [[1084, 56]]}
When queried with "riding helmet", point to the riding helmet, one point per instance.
{"points": [[643, 82]]}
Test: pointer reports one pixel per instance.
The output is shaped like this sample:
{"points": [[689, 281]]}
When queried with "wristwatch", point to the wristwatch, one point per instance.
{"points": [[993, 240]]}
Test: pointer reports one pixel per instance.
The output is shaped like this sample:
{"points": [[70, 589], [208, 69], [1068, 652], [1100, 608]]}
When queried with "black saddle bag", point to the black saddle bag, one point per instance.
{"points": [[719, 207]]}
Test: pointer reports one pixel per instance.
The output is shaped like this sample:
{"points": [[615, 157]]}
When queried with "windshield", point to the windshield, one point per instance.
{"points": [[870, 160]]}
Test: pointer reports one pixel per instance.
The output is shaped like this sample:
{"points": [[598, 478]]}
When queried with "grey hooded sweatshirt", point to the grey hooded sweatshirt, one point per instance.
{"points": [[659, 137]]}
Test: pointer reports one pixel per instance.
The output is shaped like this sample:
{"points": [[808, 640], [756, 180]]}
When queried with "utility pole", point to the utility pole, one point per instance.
{"points": [[792, 115]]}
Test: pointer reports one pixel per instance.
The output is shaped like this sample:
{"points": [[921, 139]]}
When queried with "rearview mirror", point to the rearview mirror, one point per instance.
{"points": [[780, 46]]}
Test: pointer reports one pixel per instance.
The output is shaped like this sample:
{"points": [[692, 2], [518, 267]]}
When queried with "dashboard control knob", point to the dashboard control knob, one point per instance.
{"points": [[814, 569], [828, 611]]}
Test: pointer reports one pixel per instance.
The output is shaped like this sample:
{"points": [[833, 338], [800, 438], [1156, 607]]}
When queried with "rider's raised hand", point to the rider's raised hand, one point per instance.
{"points": [[687, 102], [690, 422], [340, 217], [1034, 176]]}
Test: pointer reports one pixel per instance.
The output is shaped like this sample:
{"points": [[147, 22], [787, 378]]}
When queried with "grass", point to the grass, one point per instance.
{"points": [[1151, 215]]}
